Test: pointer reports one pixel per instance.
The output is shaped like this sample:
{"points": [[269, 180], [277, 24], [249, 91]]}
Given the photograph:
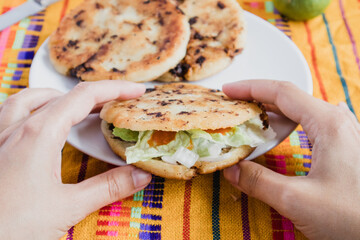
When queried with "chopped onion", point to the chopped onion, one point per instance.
{"points": [[168, 159], [269, 134], [183, 156], [215, 149]]}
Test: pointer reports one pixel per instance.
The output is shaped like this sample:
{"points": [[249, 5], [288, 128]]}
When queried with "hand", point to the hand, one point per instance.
{"points": [[34, 202], [326, 203]]}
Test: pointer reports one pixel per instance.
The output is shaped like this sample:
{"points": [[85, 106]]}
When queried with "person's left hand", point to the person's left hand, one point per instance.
{"points": [[34, 124]]}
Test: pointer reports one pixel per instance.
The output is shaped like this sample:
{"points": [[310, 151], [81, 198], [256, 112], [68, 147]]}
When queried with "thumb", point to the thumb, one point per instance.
{"points": [[260, 182], [108, 187]]}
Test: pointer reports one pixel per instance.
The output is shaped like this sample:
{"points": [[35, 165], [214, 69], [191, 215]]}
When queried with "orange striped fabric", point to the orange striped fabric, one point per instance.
{"points": [[207, 207]]}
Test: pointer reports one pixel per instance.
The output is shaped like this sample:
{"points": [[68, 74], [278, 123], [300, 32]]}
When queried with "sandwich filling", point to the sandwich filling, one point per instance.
{"points": [[187, 147]]}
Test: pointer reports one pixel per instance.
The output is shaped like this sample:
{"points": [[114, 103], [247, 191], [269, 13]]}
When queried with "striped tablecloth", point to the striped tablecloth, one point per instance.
{"points": [[203, 208]]}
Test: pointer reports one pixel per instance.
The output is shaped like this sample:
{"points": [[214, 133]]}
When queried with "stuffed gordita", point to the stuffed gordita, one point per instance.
{"points": [[181, 130]]}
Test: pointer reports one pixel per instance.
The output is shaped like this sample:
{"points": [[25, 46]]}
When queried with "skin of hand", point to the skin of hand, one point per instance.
{"points": [[325, 204], [34, 125]]}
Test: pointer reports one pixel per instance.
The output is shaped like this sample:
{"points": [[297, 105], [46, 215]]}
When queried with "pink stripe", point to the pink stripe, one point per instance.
{"points": [[118, 203], [107, 223], [112, 233], [113, 214], [3, 40], [115, 208], [112, 208], [289, 236], [254, 4], [350, 34], [282, 227], [276, 163], [275, 156], [113, 223], [278, 170], [287, 225]]}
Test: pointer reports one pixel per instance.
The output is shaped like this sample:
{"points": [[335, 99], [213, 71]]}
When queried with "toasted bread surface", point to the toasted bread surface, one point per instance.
{"points": [[179, 106], [217, 35], [135, 40]]}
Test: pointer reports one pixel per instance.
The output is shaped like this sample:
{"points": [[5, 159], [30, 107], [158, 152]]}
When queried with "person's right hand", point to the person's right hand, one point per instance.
{"points": [[326, 203]]}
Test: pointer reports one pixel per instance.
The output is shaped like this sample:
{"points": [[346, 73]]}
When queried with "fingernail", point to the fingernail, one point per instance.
{"points": [[232, 174], [140, 178]]}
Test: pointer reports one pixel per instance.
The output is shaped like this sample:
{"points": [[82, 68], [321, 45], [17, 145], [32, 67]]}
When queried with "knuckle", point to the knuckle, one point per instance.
{"points": [[337, 120], [115, 188], [14, 100], [83, 87], [31, 126], [53, 91], [253, 180], [285, 86]]}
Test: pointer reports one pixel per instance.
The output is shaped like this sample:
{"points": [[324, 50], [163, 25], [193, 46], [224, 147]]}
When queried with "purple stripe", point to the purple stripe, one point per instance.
{"points": [[281, 20], [307, 165], [149, 235], [282, 25], [17, 86], [151, 217], [150, 227], [26, 55], [245, 217], [83, 167], [81, 177], [70, 234], [153, 193], [33, 27], [350, 33], [21, 65]]}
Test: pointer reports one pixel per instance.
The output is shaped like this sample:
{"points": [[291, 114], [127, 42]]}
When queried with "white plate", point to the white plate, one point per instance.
{"points": [[269, 54]]}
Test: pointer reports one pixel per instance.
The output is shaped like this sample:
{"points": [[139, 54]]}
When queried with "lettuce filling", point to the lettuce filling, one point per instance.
{"points": [[202, 143]]}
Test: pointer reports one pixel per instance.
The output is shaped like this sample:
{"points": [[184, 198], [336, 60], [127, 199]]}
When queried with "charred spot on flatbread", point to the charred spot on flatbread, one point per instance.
{"points": [[217, 36], [180, 106], [131, 40]]}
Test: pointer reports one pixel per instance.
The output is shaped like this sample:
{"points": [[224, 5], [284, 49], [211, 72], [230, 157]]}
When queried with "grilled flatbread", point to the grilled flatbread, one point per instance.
{"points": [[178, 107], [135, 40], [217, 35]]}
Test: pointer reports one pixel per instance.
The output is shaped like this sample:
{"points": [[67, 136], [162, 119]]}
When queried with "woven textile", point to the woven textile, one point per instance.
{"points": [[206, 207]]}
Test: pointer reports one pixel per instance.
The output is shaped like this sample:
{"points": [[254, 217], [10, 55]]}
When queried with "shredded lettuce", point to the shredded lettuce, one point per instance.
{"points": [[126, 134], [142, 151], [200, 142]]}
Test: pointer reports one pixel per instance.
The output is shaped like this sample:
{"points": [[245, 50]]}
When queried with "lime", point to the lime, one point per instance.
{"points": [[301, 10]]}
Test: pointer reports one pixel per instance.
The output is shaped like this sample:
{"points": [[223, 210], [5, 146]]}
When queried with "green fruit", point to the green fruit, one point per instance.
{"points": [[301, 10]]}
